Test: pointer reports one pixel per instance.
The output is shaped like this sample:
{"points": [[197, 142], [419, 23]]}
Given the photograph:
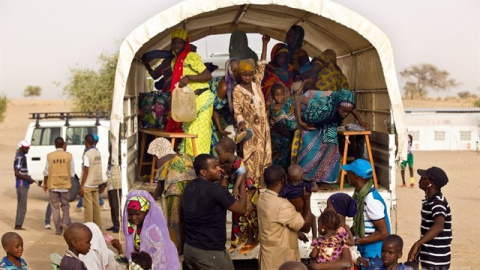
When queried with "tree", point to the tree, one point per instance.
{"points": [[466, 95], [424, 76], [92, 90], [31, 91], [3, 107]]}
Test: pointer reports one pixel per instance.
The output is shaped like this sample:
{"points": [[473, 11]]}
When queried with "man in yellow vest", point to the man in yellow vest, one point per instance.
{"points": [[91, 180], [57, 180]]}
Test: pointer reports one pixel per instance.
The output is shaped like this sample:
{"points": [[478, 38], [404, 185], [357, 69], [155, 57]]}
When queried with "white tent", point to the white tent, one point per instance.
{"points": [[364, 54]]}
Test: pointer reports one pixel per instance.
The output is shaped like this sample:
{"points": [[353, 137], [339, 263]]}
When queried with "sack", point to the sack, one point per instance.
{"points": [[153, 109], [183, 104]]}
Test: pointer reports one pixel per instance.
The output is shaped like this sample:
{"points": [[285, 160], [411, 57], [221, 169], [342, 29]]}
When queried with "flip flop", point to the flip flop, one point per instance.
{"points": [[247, 248]]}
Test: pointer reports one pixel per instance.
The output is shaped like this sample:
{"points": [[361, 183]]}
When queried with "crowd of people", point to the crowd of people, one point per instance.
{"points": [[283, 146]]}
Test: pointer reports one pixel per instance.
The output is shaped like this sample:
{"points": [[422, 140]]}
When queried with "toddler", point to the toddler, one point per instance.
{"points": [[235, 171], [329, 246], [78, 237], [283, 124], [293, 191], [140, 261], [13, 245]]}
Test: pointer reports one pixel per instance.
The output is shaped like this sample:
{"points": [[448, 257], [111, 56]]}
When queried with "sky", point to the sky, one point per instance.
{"points": [[40, 41]]}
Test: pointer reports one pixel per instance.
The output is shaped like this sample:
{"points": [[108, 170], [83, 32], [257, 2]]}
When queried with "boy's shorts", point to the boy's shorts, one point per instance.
{"points": [[409, 161]]}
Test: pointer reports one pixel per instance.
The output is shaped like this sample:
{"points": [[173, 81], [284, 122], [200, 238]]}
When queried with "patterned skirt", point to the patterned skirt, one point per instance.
{"points": [[320, 161]]}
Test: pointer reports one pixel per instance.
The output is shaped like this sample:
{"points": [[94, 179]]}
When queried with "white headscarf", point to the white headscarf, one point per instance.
{"points": [[99, 256]]}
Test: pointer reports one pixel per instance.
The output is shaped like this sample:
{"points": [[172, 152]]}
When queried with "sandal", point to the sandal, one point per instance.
{"points": [[247, 248]]}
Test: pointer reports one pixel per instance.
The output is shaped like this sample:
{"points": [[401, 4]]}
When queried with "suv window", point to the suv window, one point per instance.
{"points": [[76, 135], [45, 136]]}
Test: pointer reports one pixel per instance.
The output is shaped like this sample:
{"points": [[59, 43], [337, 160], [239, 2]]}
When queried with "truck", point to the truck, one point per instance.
{"points": [[364, 54]]}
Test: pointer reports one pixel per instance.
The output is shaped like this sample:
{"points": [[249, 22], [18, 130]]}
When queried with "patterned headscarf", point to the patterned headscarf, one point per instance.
{"points": [[138, 203], [246, 65], [160, 147], [179, 33]]}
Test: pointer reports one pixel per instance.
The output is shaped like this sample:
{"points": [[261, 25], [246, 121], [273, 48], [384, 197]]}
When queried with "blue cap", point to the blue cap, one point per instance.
{"points": [[360, 167], [95, 137]]}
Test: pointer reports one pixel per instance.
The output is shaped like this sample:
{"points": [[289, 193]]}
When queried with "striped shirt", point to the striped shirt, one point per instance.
{"points": [[20, 164], [436, 252]]}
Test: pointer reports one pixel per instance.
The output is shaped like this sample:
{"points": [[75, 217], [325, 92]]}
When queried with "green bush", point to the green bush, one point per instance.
{"points": [[92, 90], [476, 103], [3, 107]]}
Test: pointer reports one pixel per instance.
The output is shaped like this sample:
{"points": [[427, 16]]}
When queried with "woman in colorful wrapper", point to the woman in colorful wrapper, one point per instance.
{"points": [[249, 112], [278, 70], [188, 68]]}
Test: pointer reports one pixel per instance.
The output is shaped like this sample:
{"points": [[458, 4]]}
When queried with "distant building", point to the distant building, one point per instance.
{"points": [[443, 129]]}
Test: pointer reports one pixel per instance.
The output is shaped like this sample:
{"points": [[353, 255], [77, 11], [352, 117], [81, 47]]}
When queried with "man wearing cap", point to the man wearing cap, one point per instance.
{"points": [[371, 224], [57, 180], [22, 182], [432, 250]]}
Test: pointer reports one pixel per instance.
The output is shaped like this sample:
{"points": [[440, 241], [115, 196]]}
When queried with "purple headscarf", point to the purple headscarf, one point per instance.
{"points": [[230, 81], [344, 204], [154, 236]]}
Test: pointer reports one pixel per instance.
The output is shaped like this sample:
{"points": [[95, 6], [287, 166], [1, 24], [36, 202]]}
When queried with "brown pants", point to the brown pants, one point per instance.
{"points": [[59, 200], [91, 206]]}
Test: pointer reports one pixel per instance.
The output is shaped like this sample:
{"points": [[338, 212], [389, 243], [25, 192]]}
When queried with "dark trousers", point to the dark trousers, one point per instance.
{"points": [[199, 259], [22, 194], [114, 197]]}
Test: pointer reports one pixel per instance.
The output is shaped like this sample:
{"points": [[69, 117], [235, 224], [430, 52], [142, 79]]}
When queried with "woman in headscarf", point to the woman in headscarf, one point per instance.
{"points": [[100, 256], [238, 47], [319, 155], [342, 204], [146, 230], [174, 173], [294, 41], [188, 68], [222, 88], [278, 70], [249, 112]]}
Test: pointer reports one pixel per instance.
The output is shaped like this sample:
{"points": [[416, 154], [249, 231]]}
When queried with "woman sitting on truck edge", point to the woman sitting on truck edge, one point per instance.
{"points": [[319, 155], [188, 68]]}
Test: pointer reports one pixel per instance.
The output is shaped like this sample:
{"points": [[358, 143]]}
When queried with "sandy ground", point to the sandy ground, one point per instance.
{"points": [[463, 194]]}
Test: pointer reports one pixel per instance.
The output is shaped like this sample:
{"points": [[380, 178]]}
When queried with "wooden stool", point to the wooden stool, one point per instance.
{"points": [[160, 133], [365, 133]]}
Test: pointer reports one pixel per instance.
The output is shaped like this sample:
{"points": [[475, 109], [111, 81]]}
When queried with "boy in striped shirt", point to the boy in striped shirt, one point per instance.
{"points": [[432, 250]]}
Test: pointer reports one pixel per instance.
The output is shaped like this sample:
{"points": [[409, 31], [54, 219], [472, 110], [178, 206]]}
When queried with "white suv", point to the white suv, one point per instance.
{"points": [[72, 127]]}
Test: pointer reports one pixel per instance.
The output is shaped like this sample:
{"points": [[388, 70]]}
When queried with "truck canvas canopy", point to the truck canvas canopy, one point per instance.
{"points": [[364, 54]]}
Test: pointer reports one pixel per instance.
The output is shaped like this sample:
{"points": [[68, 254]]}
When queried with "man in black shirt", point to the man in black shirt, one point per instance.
{"points": [[432, 250], [204, 205]]}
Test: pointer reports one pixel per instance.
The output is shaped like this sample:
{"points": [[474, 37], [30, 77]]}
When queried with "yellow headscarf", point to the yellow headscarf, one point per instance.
{"points": [[179, 33], [246, 65]]}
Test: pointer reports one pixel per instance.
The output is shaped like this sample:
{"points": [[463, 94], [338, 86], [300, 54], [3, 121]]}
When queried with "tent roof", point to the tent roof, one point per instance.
{"points": [[273, 19], [326, 23]]}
